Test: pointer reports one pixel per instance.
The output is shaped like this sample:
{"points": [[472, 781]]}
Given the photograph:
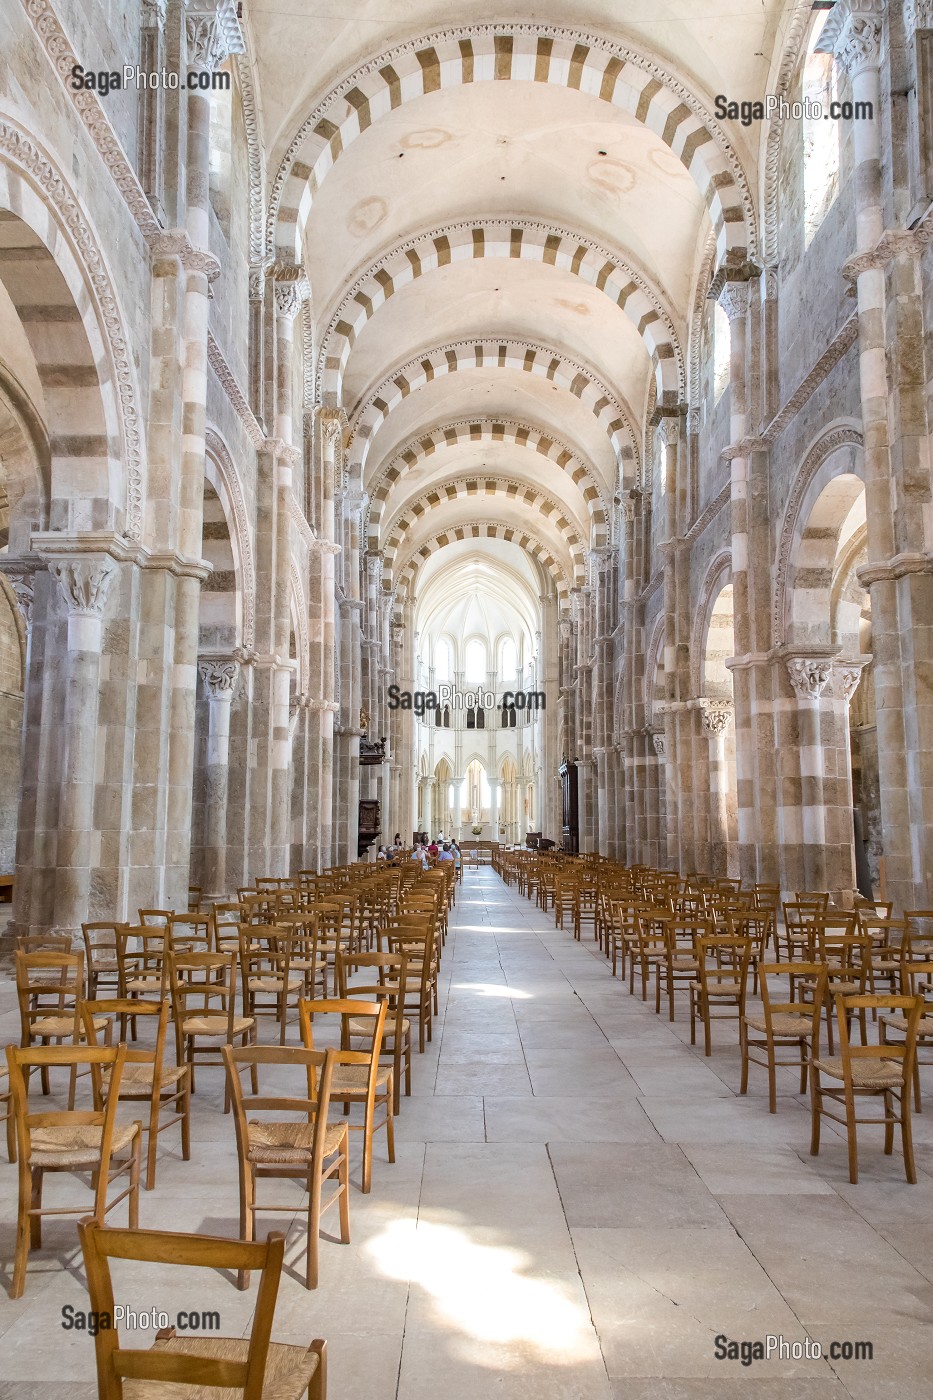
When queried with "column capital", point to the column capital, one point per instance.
{"points": [[918, 14], [809, 675], [717, 714], [290, 288], [83, 582], [852, 34], [220, 675], [847, 673], [176, 243], [213, 33], [21, 576]]}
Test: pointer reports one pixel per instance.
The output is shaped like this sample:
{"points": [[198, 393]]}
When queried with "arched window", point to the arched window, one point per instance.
{"points": [[820, 135], [474, 670], [509, 718], [722, 347], [508, 660], [442, 662]]}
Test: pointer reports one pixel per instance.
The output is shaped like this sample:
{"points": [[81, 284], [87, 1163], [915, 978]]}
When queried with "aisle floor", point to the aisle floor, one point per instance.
{"points": [[581, 1204]]}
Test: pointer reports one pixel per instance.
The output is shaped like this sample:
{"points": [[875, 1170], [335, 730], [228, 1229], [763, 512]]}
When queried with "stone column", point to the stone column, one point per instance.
{"points": [[220, 675], [84, 582], [717, 715], [805, 852]]}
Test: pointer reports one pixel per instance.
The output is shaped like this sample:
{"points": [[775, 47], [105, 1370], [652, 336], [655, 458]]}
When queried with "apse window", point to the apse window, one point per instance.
{"points": [[820, 135], [442, 662], [475, 667]]}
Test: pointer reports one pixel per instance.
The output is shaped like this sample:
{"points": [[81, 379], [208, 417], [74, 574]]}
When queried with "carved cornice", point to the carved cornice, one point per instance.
{"points": [[254, 149], [834, 352], [220, 675], [573, 37], [33, 162], [893, 243], [897, 567], [175, 243]]}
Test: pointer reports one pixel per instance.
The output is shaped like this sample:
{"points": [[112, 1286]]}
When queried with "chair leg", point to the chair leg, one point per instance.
{"points": [[135, 1163], [314, 1233], [343, 1204], [772, 1080], [247, 1195], [152, 1143], [23, 1233], [816, 1107], [707, 1028], [390, 1123], [35, 1220], [852, 1140], [888, 1125], [743, 1048], [907, 1139]]}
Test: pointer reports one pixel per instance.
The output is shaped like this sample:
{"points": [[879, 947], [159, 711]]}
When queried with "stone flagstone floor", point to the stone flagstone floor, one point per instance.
{"points": [[581, 1204]]}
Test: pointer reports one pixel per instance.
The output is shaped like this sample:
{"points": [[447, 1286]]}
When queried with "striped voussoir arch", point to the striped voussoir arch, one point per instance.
{"points": [[529, 241], [406, 573], [74, 370], [510, 52], [483, 488], [528, 358], [487, 431]]}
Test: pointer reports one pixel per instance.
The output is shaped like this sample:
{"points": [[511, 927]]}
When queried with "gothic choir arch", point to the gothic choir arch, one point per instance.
{"points": [[502, 363]]}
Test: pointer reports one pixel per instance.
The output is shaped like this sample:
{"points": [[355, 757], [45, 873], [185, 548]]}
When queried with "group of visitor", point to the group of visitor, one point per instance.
{"points": [[428, 853]]}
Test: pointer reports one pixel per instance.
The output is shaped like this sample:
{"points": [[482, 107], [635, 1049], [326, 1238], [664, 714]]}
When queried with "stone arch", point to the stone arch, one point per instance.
{"points": [[25, 467], [470, 431], [529, 358], [483, 488], [834, 452], [718, 575], [73, 322], [654, 663], [564, 57], [522, 239], [220, 471], [839, 507], [491, 530]]}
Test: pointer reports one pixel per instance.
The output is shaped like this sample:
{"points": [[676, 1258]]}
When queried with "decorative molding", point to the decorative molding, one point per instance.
{"points": [[668, 430], [918, 14], [572, 37], [33, 161], [230, 386], [83, 582], [220, 675], [794, 47], [893, 243], [732, 295], [290, 288], [709, 514], [255, 156], [830, 442], [834, 352], [809, 675], [704, 277]]}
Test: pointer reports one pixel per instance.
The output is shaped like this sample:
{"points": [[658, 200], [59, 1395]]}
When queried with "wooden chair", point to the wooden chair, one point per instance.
{"points": [[916, 976], [49, 986], [651, 930], [156, 918], [226, 920], [190, 933], [419, 948], [191, 1366], [102, 957], [784, 1024], [6, 1112], [315, 1150], [723, 978], [681, 966], [360, 1077], [306, 959], [68, 1141], [146, 1077], [203, 987], [269, 987], [860, 1072], [144, 964], [391, 969]]}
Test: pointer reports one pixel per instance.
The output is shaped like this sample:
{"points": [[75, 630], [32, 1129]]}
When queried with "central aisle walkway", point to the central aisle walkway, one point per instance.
{"points": [[581, 1204]]}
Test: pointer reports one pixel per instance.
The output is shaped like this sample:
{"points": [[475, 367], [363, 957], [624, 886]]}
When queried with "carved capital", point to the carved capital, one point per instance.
{"points": [[733, 298], [669, 430], [918, 14], [84, 582], [852, 34], [213, 34], [220, 675], [290, 286], [21, 576], [717, 715], [847, 675], [809, 675], [658, 742], [153, 13], [258, 274], [374, 563]]}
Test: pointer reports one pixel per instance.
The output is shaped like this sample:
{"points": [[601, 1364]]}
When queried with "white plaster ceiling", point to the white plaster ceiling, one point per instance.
{"points": [[502, 575]]}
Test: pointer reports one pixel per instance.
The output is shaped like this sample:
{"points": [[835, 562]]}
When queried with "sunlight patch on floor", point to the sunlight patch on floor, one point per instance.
{"points": [[491, 989], [482, 1291]]}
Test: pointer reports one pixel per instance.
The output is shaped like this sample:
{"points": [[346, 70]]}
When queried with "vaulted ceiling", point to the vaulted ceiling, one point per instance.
{"points": [[502, 224]]}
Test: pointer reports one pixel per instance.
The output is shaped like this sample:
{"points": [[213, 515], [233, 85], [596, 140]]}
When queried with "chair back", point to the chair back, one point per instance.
{"points": [[29, 1124], [176, 1368], [900, 1052], [159, 917], [49, 985]]}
